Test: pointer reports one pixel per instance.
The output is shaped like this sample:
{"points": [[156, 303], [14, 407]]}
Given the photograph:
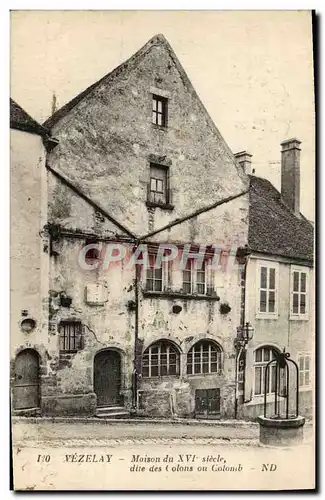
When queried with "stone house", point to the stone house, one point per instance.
{"points": [[140, 162], [135, 168], [279, 296]]}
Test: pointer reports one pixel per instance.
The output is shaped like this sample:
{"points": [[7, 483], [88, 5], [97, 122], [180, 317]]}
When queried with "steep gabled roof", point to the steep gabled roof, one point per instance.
{"points": [[21, 120], [273, 227], [60, 113], [124, 67]]}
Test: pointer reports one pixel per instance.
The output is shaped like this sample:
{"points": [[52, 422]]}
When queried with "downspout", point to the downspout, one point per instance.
{"points": [[242, 324], [135, 373], [243, 321], [236, 378]]}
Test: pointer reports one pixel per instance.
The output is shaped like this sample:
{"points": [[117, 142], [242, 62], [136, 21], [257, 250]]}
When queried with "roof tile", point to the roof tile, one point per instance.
{"points": [[273, 227], [21, 120]]}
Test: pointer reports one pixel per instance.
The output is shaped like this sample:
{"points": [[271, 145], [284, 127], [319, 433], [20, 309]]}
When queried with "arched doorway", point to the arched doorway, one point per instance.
{"points": [[107, 377], [26, 393]]}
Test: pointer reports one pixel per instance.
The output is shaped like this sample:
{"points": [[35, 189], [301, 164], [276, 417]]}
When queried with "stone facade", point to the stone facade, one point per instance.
{"points": [[106, 144], [93, 189]]}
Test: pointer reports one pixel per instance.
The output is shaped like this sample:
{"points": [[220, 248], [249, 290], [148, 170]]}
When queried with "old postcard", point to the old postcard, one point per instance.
{"points": [[162, 250]]}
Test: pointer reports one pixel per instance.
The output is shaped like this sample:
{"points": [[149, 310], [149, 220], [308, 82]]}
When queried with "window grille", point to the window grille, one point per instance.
{"points": [[70, 336]]}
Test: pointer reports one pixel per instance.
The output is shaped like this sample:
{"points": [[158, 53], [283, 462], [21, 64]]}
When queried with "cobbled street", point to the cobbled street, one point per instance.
{"points": [[74, 432], [126, 455]]}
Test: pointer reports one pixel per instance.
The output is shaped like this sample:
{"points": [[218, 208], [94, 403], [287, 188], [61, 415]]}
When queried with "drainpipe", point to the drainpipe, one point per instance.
{"points": [[136, 336], [242, 324], [244, 319], [236, 378]]}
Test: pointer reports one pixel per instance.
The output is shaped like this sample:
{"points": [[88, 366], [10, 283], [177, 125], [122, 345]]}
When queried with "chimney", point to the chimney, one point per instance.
{"points": [[54, 105], [244, 159], [290, 174]]}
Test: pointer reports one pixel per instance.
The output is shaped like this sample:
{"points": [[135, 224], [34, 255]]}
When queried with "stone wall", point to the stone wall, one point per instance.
{"points": [[29, 259], [106, 144]]}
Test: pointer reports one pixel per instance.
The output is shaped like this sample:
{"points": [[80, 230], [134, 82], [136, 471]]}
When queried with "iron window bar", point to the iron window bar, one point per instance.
{"points": [[70, 336]]}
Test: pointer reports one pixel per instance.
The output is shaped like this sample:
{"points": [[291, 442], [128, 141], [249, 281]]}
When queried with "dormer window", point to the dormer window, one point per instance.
{"points": [[159, 110]]}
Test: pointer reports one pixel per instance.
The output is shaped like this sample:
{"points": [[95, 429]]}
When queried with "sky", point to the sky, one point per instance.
{"points": [[253, 70]]}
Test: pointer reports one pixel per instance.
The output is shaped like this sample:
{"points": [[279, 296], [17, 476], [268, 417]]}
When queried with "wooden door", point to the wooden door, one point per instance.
{"points": [[207, 403], [26, 384], [213, 396], [107, 378]]}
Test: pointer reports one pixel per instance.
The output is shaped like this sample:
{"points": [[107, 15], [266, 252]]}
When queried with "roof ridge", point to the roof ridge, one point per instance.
{"points": [[155, 40], [53, 119]]}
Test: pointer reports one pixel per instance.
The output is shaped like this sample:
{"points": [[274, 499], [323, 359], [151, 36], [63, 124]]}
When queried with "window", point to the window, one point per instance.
{"points": [[158, 186], [299, 293], [261, 358], [204, 357], [195, 280], [70, 336], [304, 370], [156, 277], [159, 110], [154, 281], [161, 358], [267, 290]]}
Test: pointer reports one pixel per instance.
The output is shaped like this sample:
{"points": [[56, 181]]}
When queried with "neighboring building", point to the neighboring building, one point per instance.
{"points": [[29, 262], [279, 282], [138, 152]]}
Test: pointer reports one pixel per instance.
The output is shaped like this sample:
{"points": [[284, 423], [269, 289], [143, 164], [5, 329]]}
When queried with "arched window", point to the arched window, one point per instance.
{"points": [[261, 358], [161, 358], [204, 357]]}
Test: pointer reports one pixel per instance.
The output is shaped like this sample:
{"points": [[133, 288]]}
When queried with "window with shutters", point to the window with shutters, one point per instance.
{"points": [[159, 359], [267, 290], [304, 370], [299, 284], [71, 339]]}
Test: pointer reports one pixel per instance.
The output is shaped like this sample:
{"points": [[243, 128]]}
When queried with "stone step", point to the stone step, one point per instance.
{"points": [[112, 412], [113, 415], [107, 409], [27, 412]]}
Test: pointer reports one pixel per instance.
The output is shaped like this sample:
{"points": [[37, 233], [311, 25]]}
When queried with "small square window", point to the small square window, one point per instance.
{"points": [[70, 336]]}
